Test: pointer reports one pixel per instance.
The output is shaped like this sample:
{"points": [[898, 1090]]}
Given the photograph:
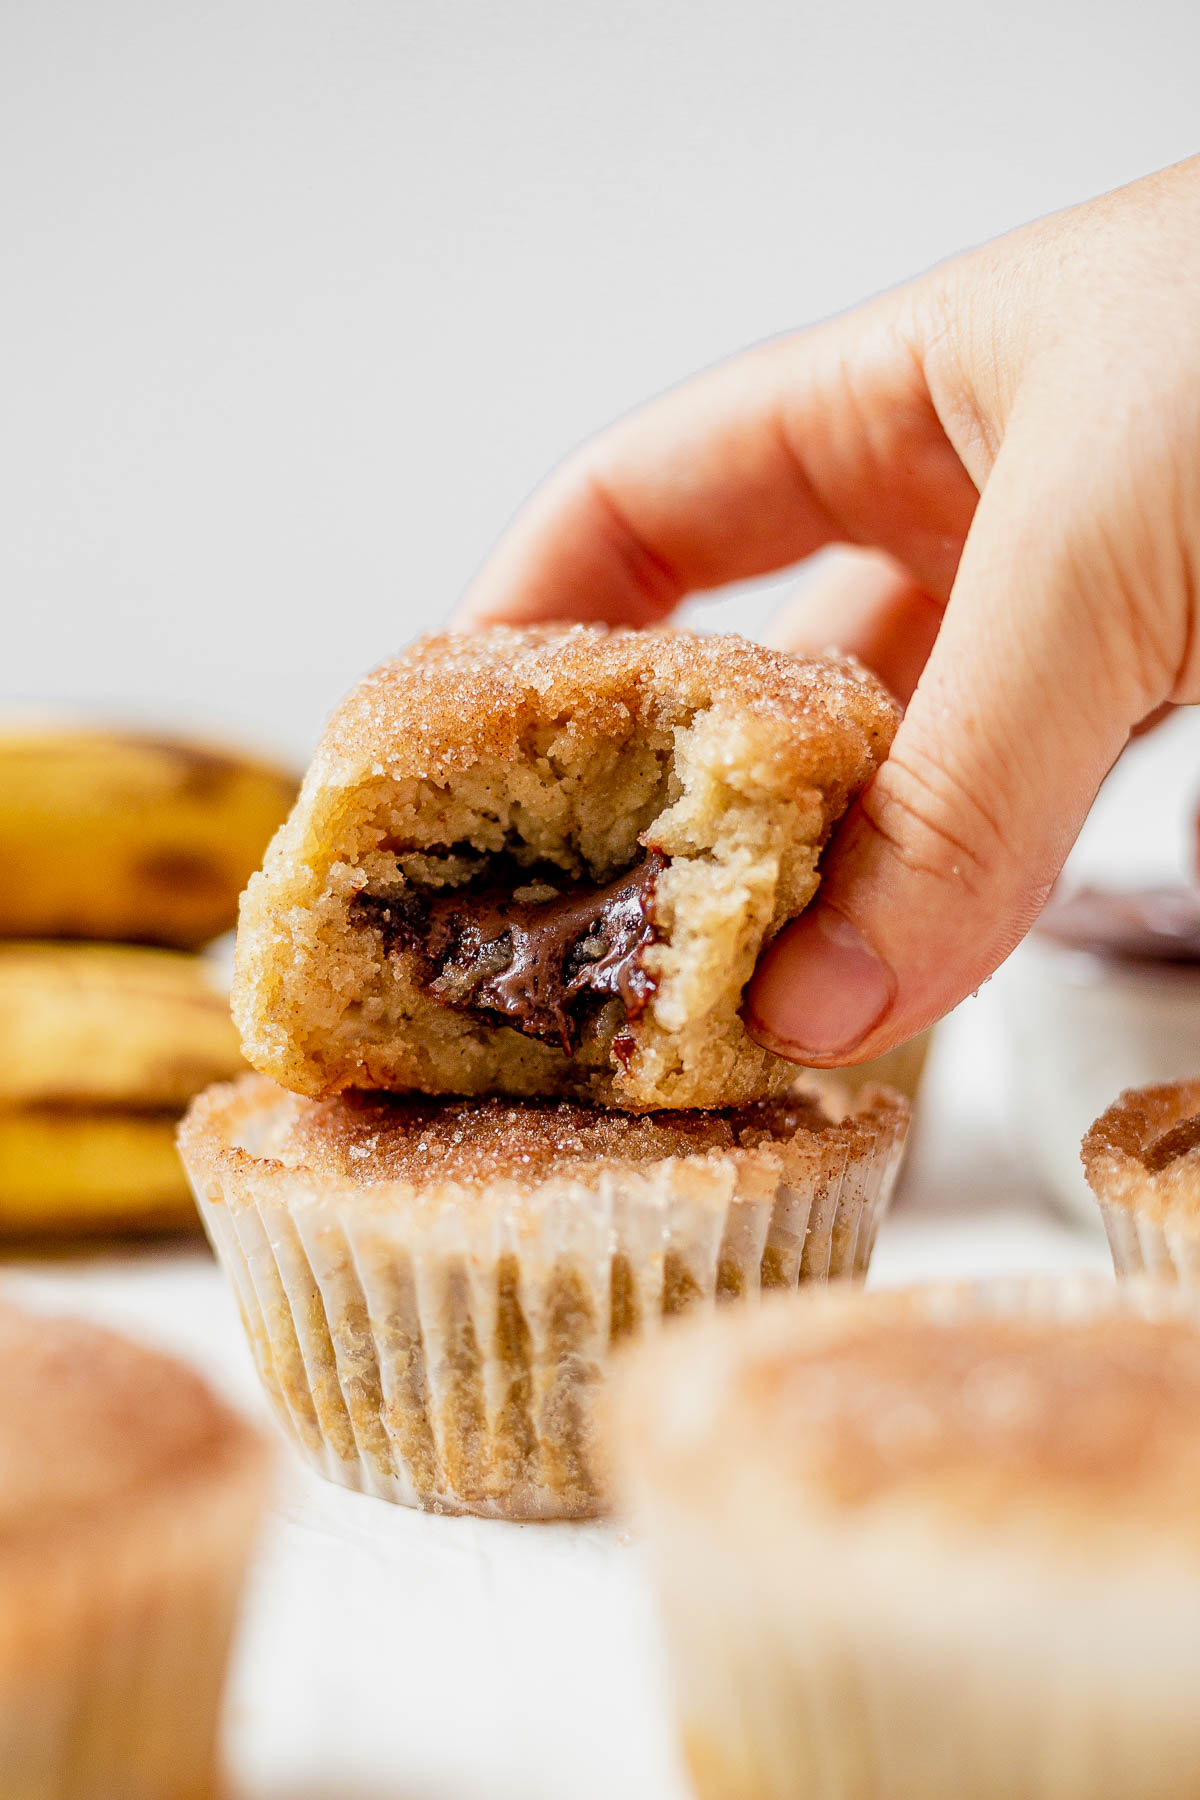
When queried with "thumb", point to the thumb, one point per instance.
{"points": [[1047, 657]]}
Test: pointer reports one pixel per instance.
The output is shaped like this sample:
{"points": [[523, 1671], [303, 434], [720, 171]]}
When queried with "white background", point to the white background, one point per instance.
{"points": [[297, 303]]}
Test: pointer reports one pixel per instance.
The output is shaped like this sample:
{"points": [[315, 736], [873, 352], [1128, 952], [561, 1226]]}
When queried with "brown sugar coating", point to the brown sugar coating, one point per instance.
{"points": [[450, 700], [1069, 1417], [1141, 1156], [545, 862], [1106, 1407], [373, 1138], [90, 1422]]}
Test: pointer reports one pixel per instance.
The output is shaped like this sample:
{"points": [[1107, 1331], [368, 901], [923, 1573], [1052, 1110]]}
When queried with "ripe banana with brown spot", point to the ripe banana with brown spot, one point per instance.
{"points": [[117, 834], [101, 1046]]}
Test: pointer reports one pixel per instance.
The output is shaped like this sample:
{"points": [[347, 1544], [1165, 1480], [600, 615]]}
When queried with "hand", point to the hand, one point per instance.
{"points": [[1013, 444]]}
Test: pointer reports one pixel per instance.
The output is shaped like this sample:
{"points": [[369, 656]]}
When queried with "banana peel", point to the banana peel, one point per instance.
{"points": [[117, 834]]}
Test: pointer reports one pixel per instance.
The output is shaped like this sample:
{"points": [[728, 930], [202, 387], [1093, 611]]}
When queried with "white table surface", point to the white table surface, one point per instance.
{"points": [[386, 1655]]}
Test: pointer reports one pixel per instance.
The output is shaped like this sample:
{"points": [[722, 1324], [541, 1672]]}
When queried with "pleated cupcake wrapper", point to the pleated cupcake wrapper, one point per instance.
{"points": [[449, 1353], [808, 1672], [114, 1645], [1142, 1245]]}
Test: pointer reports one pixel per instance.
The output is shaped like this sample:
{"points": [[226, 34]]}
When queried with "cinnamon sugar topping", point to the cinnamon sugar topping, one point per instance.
{"points": [[987, 1405], [471, 1143]]}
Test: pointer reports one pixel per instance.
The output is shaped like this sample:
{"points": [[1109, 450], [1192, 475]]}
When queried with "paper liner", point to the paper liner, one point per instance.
{"points": [[865, 1654], [446, 1349], [114, 1640], [1149, 1200]]}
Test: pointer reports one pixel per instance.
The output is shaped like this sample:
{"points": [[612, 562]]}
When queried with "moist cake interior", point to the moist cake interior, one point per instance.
{"points": [[527, 946]]}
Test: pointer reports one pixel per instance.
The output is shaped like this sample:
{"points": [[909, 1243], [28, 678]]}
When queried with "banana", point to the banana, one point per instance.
{"points": [[114, 834], [70, 1171], [101, 1047], [110, 1025]]}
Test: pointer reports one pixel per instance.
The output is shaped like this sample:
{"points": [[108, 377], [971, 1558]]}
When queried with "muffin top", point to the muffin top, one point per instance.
{"points": [[1144, 1152], [968, 1409], [452, 699], [91, 1423], [371, 1138], [365, 1140]]}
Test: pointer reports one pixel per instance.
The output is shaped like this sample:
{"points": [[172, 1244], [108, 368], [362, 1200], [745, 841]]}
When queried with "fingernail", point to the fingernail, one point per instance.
{"points": [[820, 990]]}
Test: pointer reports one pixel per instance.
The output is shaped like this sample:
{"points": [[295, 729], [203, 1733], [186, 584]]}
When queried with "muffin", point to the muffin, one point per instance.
{"points": [[545, 862], [129, 1500], [1142, 1161], [431, 1288], [101, 1047], [926, 1545], [1105, 995]]}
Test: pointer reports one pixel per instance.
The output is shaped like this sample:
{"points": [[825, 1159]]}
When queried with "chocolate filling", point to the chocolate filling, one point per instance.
{"points": [[543, 965]]}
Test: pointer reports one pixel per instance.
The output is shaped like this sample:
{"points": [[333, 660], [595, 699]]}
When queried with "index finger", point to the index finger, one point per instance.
{"points": [[827, 436]]}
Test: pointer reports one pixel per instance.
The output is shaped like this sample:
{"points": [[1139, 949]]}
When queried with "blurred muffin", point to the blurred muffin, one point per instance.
{"points": [[118, 834], [1105, 995], [129, 1498], [101, 1046], [1142, 1160], [431, 1289], [929, 1545], [545, 862]]}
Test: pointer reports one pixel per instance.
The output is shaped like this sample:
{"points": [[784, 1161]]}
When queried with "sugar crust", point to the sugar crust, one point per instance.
{"points": [[384, 1147], [1127, 1155], [92, 1426], [451, 699], [1065, 1408]]}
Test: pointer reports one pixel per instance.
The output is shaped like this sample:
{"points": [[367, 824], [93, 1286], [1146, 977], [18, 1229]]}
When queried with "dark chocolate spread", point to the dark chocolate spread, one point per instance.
{"points": [[1173, 1143], [543, 965], [1143, 925]]}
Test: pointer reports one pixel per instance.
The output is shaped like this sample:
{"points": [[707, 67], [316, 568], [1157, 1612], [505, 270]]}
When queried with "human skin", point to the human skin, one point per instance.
{"points": [[1009, 447]]}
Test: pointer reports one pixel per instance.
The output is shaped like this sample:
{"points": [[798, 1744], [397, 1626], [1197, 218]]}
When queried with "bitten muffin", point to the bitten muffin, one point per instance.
{"points": [[431, 1289], [129, 1498], [545, 861], [929, 1545], [1142, 1161]]}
